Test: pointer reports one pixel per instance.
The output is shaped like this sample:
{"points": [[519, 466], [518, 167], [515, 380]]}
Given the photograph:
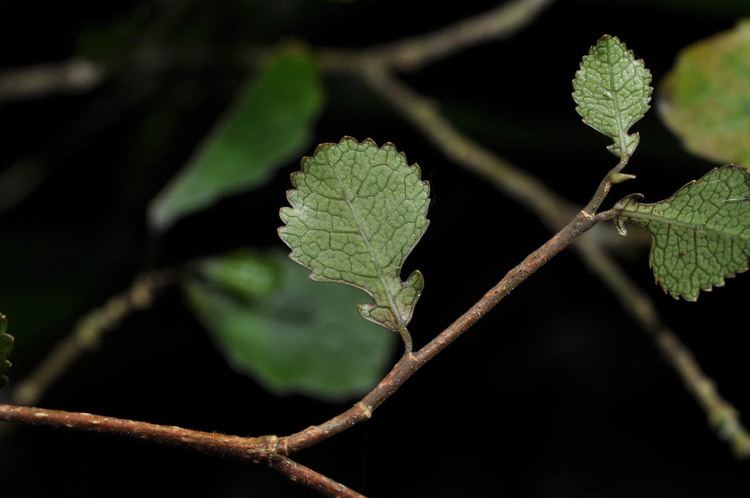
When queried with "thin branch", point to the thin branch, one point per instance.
{"points": [[606, 185], [312, 479], [103, 111], [79, 75], [88, 333], [526, 189], [255, 449], [722, 416], [271, 448], [410, 54], [152, 59], [72, 76], [414, 52], [258, 450], [549, 207], [410, 363]]}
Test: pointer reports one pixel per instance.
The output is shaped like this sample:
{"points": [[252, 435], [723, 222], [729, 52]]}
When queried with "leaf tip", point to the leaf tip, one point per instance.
{"points": [[607, 38]]}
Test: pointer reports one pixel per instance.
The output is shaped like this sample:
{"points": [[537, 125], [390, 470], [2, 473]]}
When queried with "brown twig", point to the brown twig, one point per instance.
{"points": [[524, 188], [414, 52], [87, 334], [271, 448], [307, 477], [376, 63], [72, 76], [550, 207], [78, 75], [256, 449], [411, 362]]}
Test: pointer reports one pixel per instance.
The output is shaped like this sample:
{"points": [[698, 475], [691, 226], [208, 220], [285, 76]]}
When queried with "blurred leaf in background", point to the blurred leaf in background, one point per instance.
{"points": [[290, 333], [705, 99], [269, 123], [109, 42]]}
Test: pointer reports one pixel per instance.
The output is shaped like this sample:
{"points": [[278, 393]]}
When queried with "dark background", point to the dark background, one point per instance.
{"points": [[557, 393]]}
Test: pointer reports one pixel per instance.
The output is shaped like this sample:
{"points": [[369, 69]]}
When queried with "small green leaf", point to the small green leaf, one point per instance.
{"points": [[357, 212], [249, 275], [264, 129], [6, 346], [705, 98], [700, 235], [288, 332], [613, 91]]}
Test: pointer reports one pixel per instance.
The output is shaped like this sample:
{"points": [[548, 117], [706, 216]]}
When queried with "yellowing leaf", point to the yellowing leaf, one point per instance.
{"points": [[705, 98]]}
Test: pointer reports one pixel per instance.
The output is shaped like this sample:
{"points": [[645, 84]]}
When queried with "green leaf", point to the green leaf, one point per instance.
{"points": [[6, 346], [705, 98], [289, 333], [263, 130], [613, 91], [700, 235], [357, 212]]}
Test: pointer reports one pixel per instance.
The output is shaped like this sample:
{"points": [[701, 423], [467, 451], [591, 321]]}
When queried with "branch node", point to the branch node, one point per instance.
{"points": [[366, 409], [273, 449], [586, 215]]}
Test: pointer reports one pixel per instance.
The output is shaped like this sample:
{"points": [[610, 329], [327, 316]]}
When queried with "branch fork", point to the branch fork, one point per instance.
{"points": [[376, 67]]}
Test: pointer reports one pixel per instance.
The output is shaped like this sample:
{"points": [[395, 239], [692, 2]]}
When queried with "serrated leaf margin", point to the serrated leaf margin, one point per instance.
{"points": [[620, 226], [415, 277], [629, 141]]}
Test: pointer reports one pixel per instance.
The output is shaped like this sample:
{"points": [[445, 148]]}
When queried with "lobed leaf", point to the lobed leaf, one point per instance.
{"points": [[265, 128], [700, 235], [6, 346], [705, 98], [356, 213], [290, 334], [612, 91]]}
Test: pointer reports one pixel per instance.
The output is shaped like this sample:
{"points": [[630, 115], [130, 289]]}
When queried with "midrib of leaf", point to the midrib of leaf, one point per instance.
{"points": [[363, 234], [678, 223], [616, 103]]}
